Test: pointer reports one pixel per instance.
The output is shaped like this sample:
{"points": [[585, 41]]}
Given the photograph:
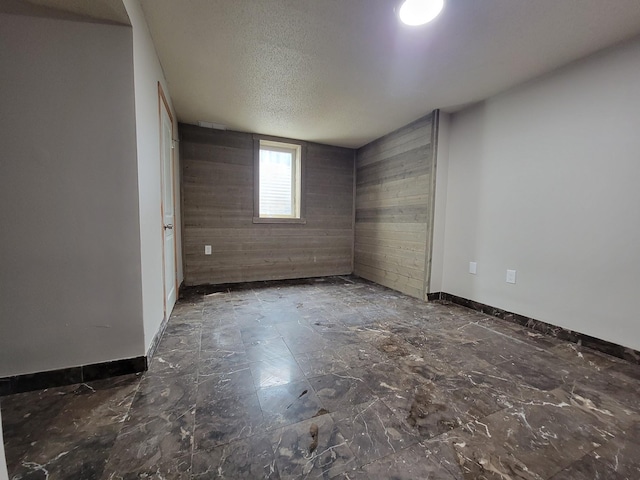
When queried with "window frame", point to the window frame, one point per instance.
{"points": [[286, 143]]}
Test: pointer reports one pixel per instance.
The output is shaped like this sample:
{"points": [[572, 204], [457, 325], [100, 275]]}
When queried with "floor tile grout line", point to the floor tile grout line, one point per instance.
{"points": [[126, 417], [197, 389], [298, 362], [570, 363]]}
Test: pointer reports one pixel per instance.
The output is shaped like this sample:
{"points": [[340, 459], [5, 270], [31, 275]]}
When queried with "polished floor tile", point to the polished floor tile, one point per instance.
{"points": [[249, 458], [276, 371], [300, 455], [289, 403], [337, 378], [373, 431]]}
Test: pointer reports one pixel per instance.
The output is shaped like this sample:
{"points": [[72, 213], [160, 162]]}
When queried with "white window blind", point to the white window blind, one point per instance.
{"points": [[279, 180]]}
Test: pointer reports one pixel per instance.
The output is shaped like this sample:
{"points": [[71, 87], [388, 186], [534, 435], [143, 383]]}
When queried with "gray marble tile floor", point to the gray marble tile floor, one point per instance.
{"points": [[337, 378]]}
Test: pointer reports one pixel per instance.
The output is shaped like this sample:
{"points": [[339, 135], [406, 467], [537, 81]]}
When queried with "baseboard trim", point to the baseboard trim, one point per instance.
{"points": [[156, 339], [197, 290], [69, 376], [561, 333], [98, 371]]}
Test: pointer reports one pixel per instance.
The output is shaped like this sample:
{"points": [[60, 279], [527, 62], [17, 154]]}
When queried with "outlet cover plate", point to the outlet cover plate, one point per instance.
{"points": [[511, 276]]}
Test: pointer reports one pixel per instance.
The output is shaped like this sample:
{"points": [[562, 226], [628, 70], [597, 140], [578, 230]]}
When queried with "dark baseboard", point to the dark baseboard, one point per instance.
{"points": [[98, 371], [86, 373], [69, 376], [594, 343], [156, 339], [189, 292]]}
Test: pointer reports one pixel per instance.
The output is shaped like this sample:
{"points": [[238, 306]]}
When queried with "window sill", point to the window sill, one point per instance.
{"points": [[295, 221]]}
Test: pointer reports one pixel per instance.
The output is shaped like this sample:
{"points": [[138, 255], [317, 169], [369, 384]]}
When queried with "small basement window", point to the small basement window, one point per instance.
{"points": [[278, 170]]}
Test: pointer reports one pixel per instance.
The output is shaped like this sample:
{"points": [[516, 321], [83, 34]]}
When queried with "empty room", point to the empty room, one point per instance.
{"points": [[296, 239]]}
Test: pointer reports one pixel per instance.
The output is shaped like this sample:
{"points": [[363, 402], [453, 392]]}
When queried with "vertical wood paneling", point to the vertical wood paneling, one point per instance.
{"points": [[393, 208], [218, 209]]}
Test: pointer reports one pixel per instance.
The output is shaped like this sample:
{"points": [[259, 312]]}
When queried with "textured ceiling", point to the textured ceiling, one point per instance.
{"points": [[345, 72], [100, 11]]}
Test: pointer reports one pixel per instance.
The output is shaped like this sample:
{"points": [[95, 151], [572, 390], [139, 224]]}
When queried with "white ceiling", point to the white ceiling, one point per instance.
{"points": [[345, 72], [101, 11]]}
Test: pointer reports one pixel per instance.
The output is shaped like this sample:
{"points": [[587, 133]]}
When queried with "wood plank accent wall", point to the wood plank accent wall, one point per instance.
{"points": [[217, 191], [395, 178]]}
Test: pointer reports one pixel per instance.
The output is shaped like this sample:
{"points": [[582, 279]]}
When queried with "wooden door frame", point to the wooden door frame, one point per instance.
{"points": [[163, 100]]}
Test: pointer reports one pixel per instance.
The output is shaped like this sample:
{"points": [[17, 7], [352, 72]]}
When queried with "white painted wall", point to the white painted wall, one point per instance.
{"points": [[544, 179], [70, 282], [147, 74]]}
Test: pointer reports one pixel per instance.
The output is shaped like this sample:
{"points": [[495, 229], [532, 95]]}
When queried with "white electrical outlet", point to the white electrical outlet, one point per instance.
{"points": [[511, 276], [207, 249], [473, 268]]}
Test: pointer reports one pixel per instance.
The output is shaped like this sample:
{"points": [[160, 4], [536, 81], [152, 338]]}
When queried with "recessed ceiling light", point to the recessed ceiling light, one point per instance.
{"points": [[419, 12]]}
